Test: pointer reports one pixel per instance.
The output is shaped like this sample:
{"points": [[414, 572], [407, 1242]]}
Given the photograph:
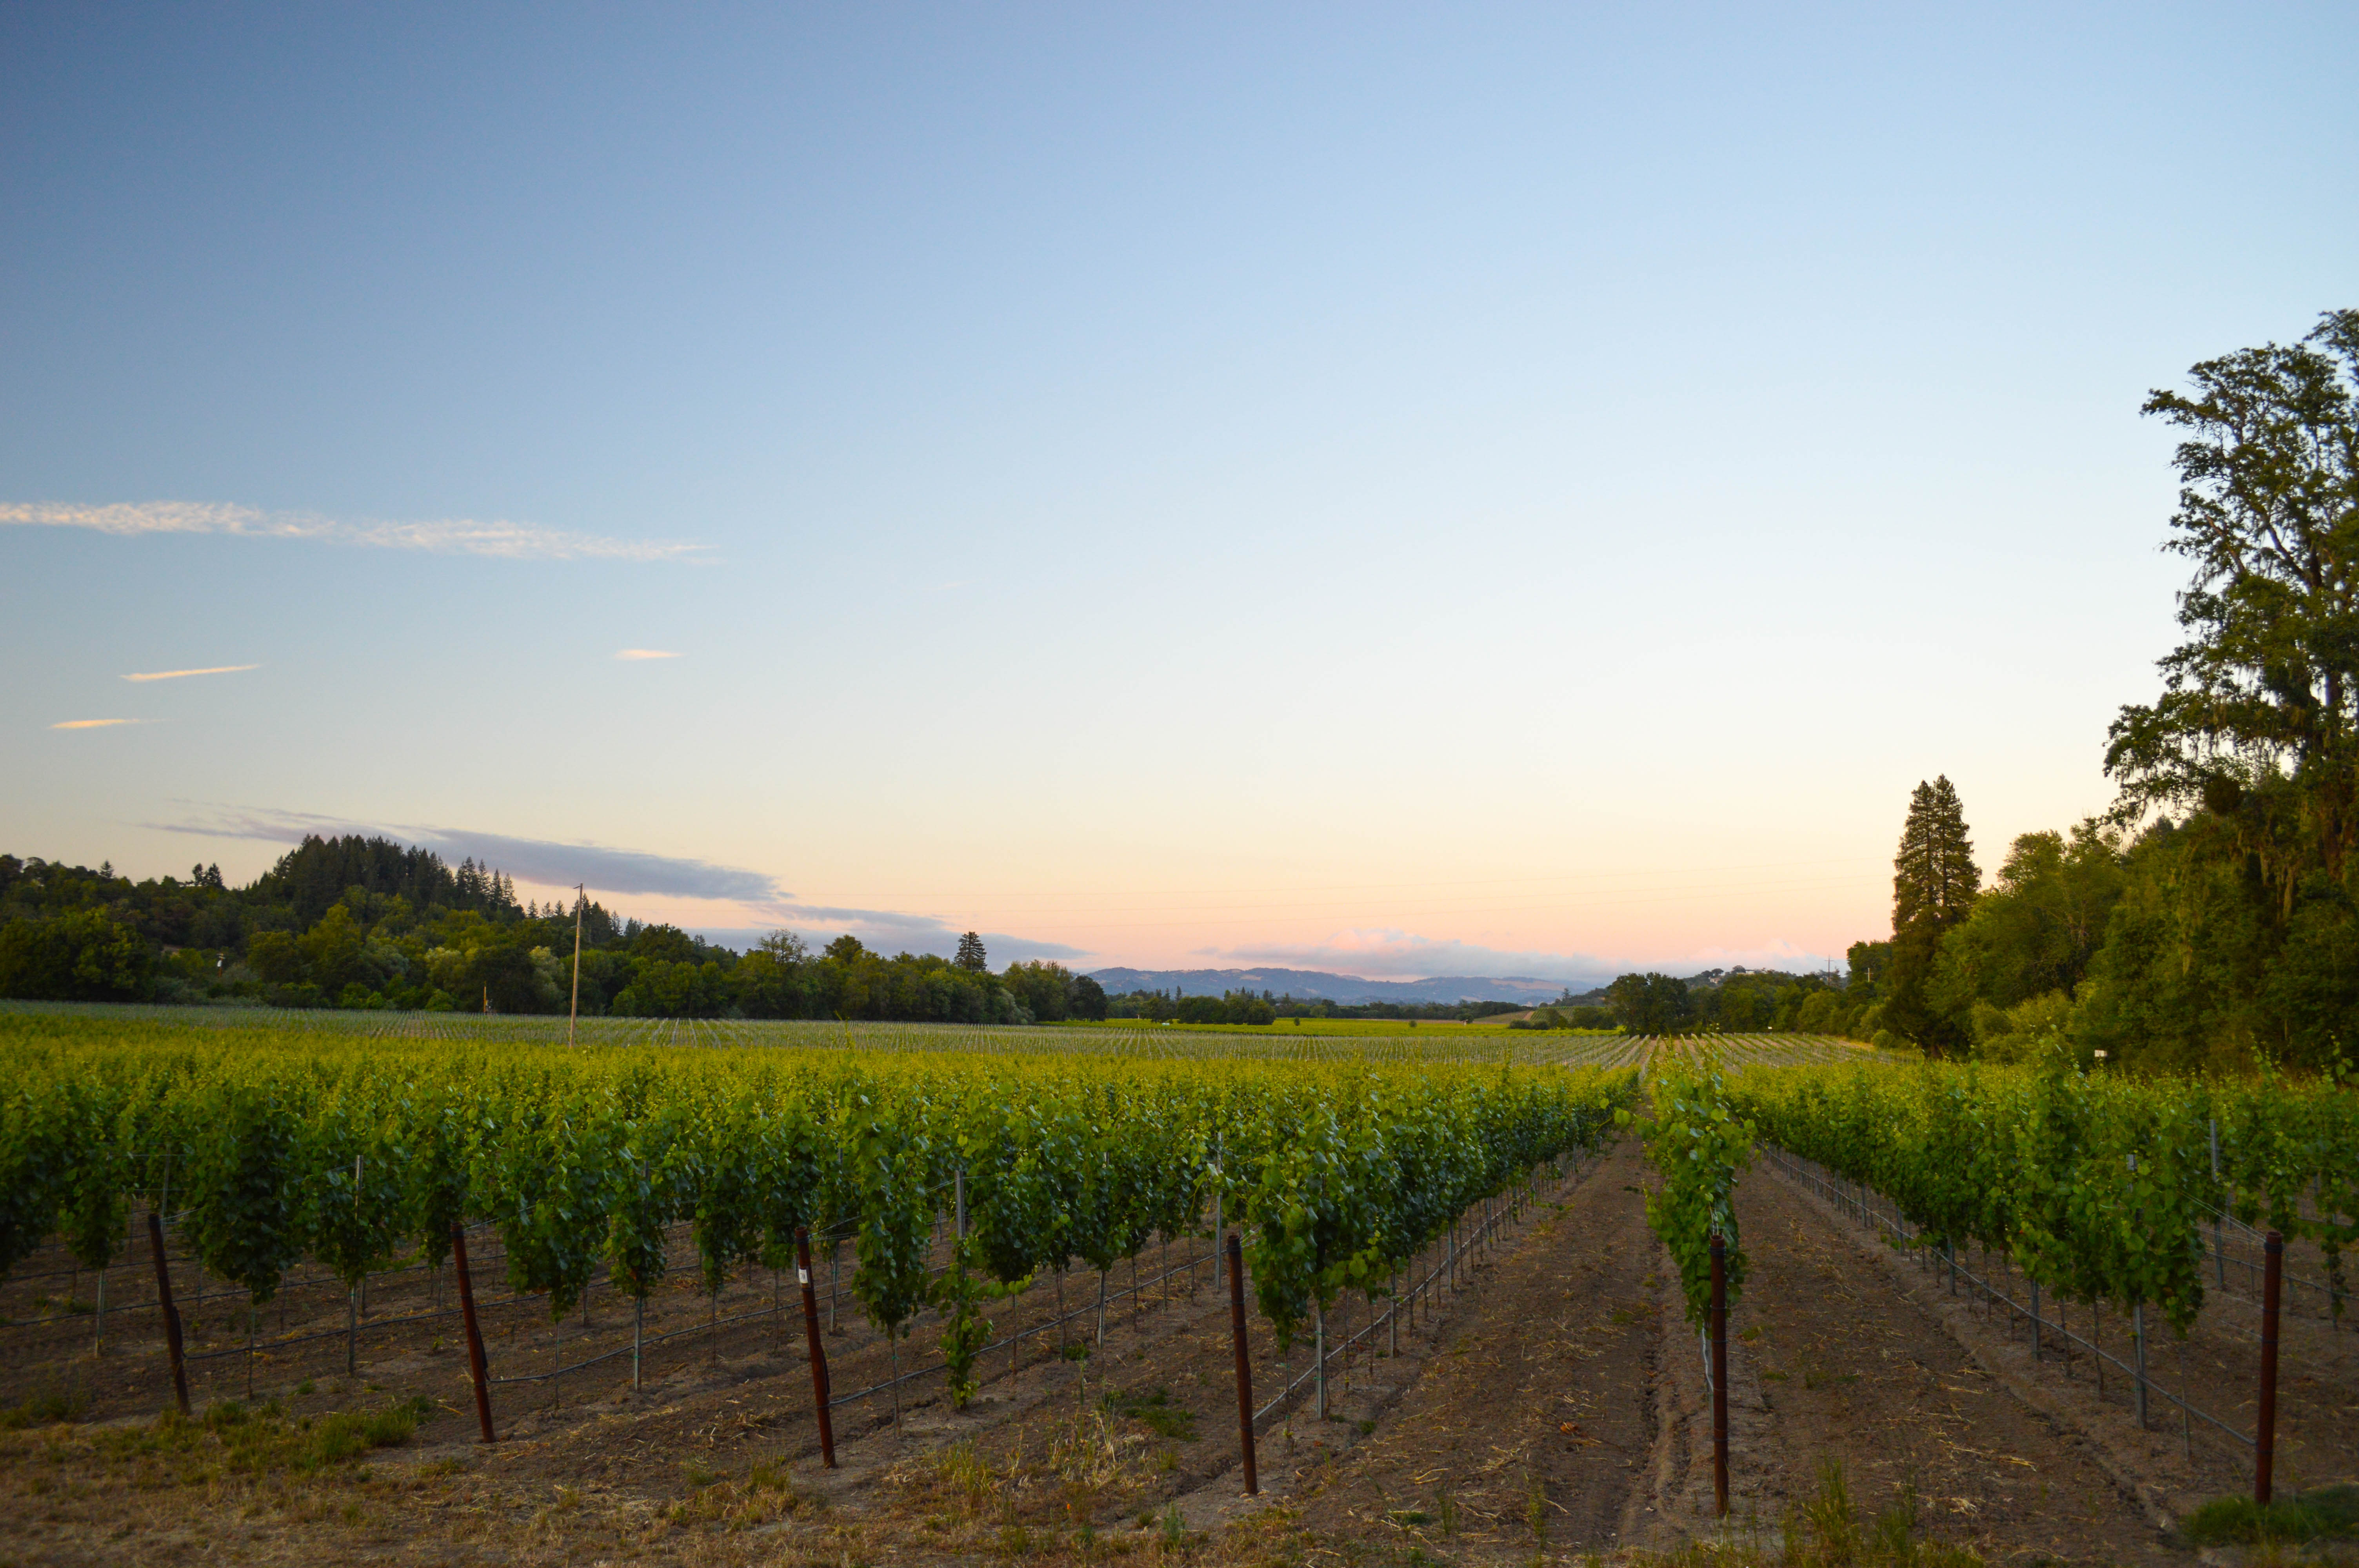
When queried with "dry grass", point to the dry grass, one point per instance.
{"points": [[1825, 1530]]}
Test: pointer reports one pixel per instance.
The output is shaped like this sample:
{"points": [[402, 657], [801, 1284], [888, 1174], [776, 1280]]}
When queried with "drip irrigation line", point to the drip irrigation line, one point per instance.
{"points": [[1790, 1163], [1488, 1227]]}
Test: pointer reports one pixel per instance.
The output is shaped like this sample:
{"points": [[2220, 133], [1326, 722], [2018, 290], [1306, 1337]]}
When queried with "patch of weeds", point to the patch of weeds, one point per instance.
{"points": [[966, 1472], [307, 1387], [1077, 1351], [263, 1440], [348, 1434], [1445, 1510], [1156, 1409], [1750, 1334], [1367, 1429], [2320, 1514], [436, 1467], [1828, 1517], [1775, 1376], [1824, 1531], [1536, 1506], [1084, 1451], [1013, 1540], [47, 1408], [765, 1495], [1408, 1517]]}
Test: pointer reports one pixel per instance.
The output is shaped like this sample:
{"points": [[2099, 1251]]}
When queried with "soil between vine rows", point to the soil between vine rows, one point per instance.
{"points": [[1564, 1376], [1843, 1367]]}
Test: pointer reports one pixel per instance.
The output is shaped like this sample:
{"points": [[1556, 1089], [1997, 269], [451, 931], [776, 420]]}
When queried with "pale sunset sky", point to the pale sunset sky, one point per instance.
{"points": [[1466, 489]]}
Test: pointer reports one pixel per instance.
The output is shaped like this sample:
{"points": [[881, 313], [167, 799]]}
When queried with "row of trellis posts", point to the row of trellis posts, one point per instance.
{"points": [[2263, 1441], [1228, 1269]]}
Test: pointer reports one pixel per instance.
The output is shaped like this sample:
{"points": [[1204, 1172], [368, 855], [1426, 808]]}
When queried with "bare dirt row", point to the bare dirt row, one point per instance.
{"points": [[1552, 1407]]}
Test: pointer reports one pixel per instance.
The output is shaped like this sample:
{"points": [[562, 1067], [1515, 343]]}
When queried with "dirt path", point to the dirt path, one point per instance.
{"points": [[1552, 1407], [1841, 1360], [1531, 1424], [1565, 1411]]}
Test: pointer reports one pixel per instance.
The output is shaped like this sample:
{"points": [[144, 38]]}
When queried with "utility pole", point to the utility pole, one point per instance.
{"points": [[579, 898]]}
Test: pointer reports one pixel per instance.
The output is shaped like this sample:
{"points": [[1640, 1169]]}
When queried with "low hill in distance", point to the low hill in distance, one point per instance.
{"points": [[1345, 989]]}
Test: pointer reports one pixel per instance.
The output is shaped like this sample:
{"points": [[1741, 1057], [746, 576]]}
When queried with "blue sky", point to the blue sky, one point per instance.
{"points": [[1409, 491]]}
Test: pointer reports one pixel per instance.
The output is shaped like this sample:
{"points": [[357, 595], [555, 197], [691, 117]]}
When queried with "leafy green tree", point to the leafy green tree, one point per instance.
{"points": [[1934, 881], [2037, 930], [1201, 1010], [1651, 1003], [667, 944], [2238, 933], [277, 958], [1044, 987], [971, 956], [80, 956], [2256, 721]]}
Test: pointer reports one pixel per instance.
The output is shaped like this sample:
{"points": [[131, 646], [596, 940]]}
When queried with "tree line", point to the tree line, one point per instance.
{"points": [[2210, 919], [367, 923]]}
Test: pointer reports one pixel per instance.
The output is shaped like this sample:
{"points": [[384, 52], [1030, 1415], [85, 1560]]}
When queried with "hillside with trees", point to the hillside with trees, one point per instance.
{"points": [[367, 923]]}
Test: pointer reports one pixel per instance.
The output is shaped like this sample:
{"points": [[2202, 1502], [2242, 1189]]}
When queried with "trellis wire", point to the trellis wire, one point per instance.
{"points": [[1808, 1170]]}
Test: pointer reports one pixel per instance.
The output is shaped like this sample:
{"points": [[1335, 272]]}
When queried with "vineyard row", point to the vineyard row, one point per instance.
{"points": [[581, 1163]]}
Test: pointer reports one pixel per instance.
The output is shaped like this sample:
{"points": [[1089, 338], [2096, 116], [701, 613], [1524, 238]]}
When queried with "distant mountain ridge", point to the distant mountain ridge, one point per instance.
{"points": [[1347, 989]]}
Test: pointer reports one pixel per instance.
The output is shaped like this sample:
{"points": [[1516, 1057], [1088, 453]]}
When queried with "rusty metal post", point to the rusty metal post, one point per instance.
{"points": [[477, 1366], [2264, 1446], [1245, 1367], [1720, 1376], [171, 1313], [818, 1347]]}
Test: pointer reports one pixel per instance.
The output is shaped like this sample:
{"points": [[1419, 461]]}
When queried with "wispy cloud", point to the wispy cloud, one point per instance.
{"points": [[1387, 954], [546, 862], [177, 675], [95, 723], [450, 535], [645, 654], [896, 931]]}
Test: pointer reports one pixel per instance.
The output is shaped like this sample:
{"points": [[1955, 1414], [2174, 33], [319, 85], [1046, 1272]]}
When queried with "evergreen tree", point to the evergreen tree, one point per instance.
{"points": [[1934, 881], [970, 955]]}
